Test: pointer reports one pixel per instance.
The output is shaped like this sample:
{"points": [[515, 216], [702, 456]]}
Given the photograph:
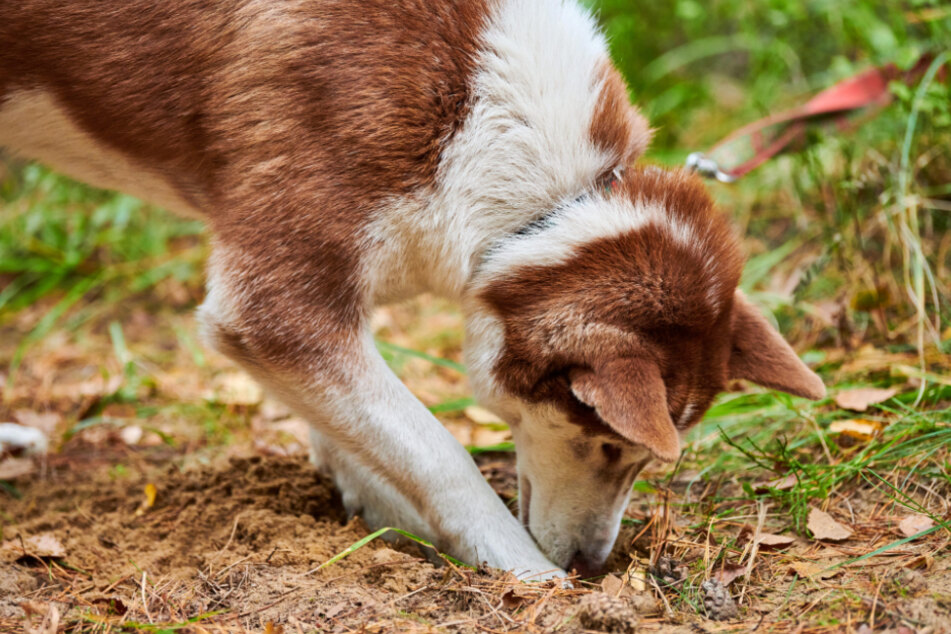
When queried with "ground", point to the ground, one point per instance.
{"points": [[177, 497], [183, 499]]}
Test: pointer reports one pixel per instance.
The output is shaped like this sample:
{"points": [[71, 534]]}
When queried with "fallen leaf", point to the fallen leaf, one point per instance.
{"points": [[858, 399], [516, 596], [151, 491], [612, 585], [46, 422], [861, 429], [765, 540], [914, 524], [823, 527], [45, 545], [921, 562], [637, 580], [482, 416], [49, 618], [784, 483], [768, 540], [812, 570], [729, 573], [42, 545], [11, 468]]}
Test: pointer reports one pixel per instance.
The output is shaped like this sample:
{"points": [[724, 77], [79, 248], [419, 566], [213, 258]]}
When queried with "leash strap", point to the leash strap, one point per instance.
{"points": [[752, 145]]}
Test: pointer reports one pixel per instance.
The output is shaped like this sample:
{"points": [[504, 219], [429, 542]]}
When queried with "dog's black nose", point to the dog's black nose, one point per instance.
{"points": [[584, 565]]}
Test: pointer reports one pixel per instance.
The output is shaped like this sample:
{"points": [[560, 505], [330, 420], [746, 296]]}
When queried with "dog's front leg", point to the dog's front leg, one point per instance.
{"points": [[422, 479]]}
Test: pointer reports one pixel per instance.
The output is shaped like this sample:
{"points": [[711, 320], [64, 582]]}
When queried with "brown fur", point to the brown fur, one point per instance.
{"points": [[617, 127], [639, 295], [285, 122]]}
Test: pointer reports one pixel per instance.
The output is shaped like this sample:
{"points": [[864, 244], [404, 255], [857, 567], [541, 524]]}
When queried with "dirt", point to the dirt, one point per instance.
{"points": [[237, 543]]}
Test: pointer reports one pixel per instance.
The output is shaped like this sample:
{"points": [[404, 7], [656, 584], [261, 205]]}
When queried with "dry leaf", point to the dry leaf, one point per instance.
{"points": [[45, 545], [858, 399], [11, 468], [612, 584], [914, 524], [823, 527], [482, 416], [860, 429], [768, 540], [729, 573], [637, 580], [49, 618], [46, 422], [812, 570], [784, 483], [42, 545], [151, 491]]}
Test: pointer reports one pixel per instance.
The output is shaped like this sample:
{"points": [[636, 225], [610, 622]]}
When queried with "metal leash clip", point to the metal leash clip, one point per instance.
{"points": [[707, 167]]}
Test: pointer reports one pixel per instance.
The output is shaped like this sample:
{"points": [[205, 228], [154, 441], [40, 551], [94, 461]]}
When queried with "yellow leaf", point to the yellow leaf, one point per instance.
{"points": [[861, 429], [150, 493]]}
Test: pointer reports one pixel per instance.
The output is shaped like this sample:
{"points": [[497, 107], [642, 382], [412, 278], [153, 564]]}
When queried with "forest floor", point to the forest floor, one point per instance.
{"points": [[177, 497]]}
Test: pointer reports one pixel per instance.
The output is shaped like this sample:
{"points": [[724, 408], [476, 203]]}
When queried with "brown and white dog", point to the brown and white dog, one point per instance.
{"points": [[348, 154]]}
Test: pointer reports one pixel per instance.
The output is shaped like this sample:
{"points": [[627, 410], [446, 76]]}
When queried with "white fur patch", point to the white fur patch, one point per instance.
{"points": [[34, 126], [523, 149], [578, 224]]}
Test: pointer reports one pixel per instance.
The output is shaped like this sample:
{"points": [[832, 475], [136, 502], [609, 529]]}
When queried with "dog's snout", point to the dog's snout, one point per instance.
{"points": [[584, 565]]}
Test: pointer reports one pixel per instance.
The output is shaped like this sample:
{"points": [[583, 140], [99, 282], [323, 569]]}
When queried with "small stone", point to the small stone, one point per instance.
{"points": [[669, 571], [604, 613], [717, 601]]}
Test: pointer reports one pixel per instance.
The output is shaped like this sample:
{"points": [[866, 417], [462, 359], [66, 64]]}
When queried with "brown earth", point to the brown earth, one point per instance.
{"points": [[237, 543], [233, 544]]}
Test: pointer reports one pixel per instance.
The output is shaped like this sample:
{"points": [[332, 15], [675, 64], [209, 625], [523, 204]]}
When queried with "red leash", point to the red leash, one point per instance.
{"points": [[752, 145]]}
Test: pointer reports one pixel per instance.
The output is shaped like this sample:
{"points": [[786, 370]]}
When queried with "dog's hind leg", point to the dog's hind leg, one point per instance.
{"points": [[403, 467]]}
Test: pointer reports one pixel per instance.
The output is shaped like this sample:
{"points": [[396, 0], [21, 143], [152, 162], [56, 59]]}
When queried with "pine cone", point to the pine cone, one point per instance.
{"points": [[604, 613], [669, 571], [717, 601]]}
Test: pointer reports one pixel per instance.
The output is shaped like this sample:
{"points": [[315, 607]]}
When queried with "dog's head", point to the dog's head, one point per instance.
{"points": [[602, 333]]}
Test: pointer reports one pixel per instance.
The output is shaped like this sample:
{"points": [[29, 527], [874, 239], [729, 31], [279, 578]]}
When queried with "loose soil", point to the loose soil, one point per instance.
{"points": [[233, 544], [237, 543]]}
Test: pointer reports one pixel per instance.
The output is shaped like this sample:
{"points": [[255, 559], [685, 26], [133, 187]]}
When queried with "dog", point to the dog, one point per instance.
{"points": [[346, 155]]}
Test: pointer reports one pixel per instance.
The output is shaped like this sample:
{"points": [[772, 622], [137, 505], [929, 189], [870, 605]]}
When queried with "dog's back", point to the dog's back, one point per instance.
{"points": [[189, 104]]}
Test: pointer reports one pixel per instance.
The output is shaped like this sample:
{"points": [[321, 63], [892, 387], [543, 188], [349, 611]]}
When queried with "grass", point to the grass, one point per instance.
{"points": [[849, 244]]}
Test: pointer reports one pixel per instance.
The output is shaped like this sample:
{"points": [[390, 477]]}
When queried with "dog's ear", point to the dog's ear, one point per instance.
{"points": [[760, 354], [629, 396]]}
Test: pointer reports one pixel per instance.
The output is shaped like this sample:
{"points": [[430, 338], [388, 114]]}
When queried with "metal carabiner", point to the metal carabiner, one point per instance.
{"points": [[707, 167]]}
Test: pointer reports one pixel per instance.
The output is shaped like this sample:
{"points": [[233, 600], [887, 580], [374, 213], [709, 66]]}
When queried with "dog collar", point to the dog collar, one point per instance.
{"points": [[606, 184]]}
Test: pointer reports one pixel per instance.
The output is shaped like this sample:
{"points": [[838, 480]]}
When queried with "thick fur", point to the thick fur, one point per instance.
{"points": [[350, 154]]}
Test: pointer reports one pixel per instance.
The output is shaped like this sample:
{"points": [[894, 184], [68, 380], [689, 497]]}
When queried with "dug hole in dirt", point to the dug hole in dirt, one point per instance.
{"points": [[234, 546]]}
